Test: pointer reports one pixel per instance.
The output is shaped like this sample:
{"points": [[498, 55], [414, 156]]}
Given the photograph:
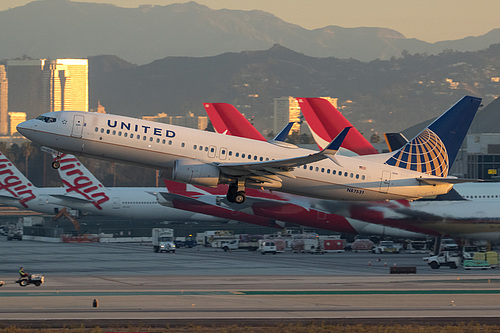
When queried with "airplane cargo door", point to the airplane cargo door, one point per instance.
{"points": [[385, 181], [77, 126], [116, 203]]}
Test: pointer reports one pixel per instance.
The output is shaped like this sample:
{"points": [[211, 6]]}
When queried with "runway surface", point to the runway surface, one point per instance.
{"points": [[132, 282]]}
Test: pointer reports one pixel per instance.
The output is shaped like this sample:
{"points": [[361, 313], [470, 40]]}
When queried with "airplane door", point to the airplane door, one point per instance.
{"points": [[223, 153], [385, 181], [77, 126], [211, 151], [116, 203]]}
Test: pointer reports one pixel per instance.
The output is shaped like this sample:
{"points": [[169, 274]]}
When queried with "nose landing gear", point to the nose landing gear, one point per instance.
{"points": [[56, 164]]}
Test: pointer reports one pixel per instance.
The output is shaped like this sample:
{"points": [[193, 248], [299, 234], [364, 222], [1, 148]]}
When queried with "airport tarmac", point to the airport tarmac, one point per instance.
{"points": [[131, 282]]}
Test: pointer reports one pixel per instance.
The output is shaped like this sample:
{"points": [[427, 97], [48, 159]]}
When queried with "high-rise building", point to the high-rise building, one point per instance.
{"points": [[287, 109], [39, 86], [4, 98], [15, 119], [25, 89], [67, 83]]}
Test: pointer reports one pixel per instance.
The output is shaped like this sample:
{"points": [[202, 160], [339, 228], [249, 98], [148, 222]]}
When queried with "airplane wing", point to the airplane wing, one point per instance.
{"points": [[70, 198], [284, 166]]}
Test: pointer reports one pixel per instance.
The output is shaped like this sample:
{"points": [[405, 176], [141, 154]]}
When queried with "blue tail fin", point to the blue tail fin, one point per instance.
{"points": [[435, 148]]}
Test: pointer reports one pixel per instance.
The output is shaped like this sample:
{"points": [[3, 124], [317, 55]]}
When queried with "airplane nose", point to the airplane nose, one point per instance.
{"points": [[24, 127]]}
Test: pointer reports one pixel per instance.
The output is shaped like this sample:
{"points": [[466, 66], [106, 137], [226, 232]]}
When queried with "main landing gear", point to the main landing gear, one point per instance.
{"points": [[236, 192], [56, 164]]}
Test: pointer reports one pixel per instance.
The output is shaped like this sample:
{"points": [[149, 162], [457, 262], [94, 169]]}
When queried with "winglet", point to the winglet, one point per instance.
{"points": [[334, 146], [284, 132]]}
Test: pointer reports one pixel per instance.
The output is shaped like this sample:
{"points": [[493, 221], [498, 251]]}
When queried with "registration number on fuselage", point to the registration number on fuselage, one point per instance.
{"points": [[355, 191]]}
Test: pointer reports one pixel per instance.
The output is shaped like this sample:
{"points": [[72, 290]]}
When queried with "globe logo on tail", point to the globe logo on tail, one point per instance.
{"points": [[426, 153]]}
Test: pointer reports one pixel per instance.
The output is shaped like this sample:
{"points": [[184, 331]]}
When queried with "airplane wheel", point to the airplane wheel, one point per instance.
{"points": [[240, 197], [56, 164]]}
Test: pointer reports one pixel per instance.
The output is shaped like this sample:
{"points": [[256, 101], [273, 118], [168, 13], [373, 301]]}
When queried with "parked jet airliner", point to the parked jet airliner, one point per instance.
{"points": [[83, 192], [419, 169]]}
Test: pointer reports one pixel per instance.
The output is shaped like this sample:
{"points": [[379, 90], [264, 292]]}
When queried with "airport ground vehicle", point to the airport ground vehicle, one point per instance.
{"points": [[267, 246], [387, 247], [362, 245], [452, 259], [17, 234], [188, 241], [36, 279], [418, 247], [448, 244], [163, 240], [307, 245]]}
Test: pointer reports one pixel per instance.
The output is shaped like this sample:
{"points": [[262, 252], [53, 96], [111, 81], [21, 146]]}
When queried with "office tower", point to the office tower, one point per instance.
{"points": [[39, 86], [4, 98]]}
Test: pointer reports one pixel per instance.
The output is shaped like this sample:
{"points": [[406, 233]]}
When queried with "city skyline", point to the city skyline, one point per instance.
{"points": [[426, 20]]}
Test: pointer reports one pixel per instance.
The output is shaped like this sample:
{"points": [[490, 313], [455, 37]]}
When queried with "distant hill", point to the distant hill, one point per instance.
{"points": [[381, 95], [60, 28]]}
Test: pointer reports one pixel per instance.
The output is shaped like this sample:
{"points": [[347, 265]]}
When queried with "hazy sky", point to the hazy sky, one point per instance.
{"points": [[428, 20]]}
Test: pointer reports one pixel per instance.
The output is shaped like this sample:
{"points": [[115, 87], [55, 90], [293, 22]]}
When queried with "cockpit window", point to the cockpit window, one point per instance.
{"points": [[46, 119]]}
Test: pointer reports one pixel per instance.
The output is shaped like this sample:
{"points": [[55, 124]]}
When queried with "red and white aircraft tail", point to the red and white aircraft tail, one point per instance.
{"points": [[326, 122]]}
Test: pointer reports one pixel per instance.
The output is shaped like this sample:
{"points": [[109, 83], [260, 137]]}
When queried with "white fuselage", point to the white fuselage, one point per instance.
{"points": [[159, 145]]}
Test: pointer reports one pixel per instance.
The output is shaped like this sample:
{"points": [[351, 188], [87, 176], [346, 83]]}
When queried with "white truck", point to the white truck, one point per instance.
{"points": [[452, 259], [387, 247], [163, 240]]}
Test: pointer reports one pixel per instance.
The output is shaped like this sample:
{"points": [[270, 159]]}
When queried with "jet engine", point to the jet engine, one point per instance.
{"points": [[195, 172]]}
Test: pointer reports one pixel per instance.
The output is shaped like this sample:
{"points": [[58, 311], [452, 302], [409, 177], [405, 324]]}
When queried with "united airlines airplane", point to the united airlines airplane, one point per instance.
{"points": [[418, 169]]}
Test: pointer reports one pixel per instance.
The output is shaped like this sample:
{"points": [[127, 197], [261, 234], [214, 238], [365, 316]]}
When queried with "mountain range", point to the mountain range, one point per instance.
{"points": [[376, 96], [63, 28]]}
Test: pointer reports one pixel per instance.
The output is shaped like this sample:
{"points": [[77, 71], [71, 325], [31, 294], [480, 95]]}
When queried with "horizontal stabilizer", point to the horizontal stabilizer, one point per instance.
{"points": [[453, 181]]}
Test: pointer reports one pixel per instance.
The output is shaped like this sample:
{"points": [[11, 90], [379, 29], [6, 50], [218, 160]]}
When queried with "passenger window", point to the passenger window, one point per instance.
{"points": [[97, 129], [120, 133], [125, 134], [230, 153], [163, 141], [212, 150], [327, 170], [150, 139], [131, 135], [237, 154], [255, 158], [206, 148], [102, 130], [158, 140], [363, 177], [249, 157], [310, 167], [357, 176], [242, 155], [170, 142], [261, 158], [317, 169], [334, 172], [322, 169], [108, 131], [352, 175], [195, 147], [183, 145], [144, 138], [201, 147], [114, 132]]}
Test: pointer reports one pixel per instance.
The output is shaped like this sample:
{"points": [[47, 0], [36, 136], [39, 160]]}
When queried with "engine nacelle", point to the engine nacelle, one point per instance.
{"points": [[196, 172]]}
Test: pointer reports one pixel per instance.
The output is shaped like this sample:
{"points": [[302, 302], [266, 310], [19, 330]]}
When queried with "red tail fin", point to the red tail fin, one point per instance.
{"points": [[326, 122], [226, 118]]}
